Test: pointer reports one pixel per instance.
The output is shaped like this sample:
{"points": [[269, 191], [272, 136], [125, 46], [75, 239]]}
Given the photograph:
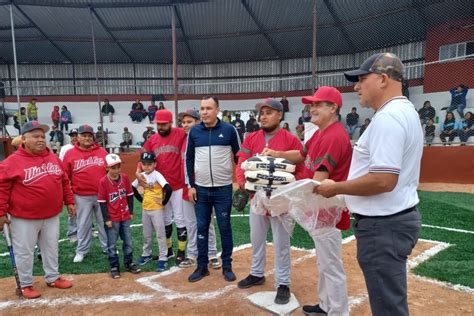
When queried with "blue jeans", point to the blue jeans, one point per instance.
{"points": [[351, 129], [219, 198], [458, 107], [122, 230]]}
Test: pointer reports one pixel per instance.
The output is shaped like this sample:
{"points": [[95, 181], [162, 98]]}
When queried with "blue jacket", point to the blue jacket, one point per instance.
{"points": [[458, 97], [466, 124], [209, 155], [449, 125]]}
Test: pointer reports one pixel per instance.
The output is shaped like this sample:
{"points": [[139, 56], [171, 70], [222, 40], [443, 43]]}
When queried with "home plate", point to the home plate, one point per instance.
{"points": [[266, 299]]}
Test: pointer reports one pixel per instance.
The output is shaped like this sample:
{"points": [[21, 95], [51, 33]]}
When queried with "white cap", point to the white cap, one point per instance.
{"points": [[112, 160]]}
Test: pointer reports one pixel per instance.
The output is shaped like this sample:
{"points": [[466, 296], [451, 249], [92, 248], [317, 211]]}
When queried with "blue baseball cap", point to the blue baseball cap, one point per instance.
{"points": [[32, 125], [271, 103]]}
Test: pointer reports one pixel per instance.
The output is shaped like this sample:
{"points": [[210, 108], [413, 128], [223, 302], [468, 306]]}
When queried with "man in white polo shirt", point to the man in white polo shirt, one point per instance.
{"points": [[381, 187]]}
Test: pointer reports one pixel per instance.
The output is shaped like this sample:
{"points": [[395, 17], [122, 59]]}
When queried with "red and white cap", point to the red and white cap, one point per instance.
{"points": [[112, 160]]}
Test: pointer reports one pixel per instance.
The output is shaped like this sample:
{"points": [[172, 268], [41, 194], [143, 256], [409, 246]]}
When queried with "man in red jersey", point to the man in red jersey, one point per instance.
{"points": [[269, 136], [85, 166], [166, 145], [33, 189], [327, 155]]}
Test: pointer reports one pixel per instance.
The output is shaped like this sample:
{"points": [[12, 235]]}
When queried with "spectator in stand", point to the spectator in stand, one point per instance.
{"points": [[466, 128], [252, 124], [286, 106], [448, 128], [239, 126], [405, 91], [149, 131], [364, 127], [19, 118], [72, 141], [426, 113], [429, 132], [108, 109], [458, 99], [306, 114], [56, 139], [161, 106], [138, 112], [226, 117], [300, 132], [66, 118], [126, 139], [32, 110], [286, 127], [152, 108], [101, 137], [352, 120], [55, 115]]}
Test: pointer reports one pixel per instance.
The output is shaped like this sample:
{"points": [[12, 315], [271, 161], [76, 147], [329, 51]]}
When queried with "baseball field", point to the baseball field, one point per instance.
{"points": [[441, 279]]}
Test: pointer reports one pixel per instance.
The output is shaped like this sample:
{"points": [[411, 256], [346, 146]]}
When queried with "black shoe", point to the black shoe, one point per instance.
{"points": [[228, 274], [198, 274], [250, 281], [115, 273], [170, 253], [283, 295], [133, 268], [444, 108], [313, 310], [180, 257]]}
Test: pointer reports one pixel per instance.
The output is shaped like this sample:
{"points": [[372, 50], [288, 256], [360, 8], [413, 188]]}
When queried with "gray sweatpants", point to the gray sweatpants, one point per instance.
{"points": [[332, 283], [191, 227], [26, 233], [281, 246], [154, 221], [174, 209], [86, 206]]}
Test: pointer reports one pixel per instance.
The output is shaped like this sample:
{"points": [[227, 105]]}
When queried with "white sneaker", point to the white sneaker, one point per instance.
{"points": [[78, 258]]}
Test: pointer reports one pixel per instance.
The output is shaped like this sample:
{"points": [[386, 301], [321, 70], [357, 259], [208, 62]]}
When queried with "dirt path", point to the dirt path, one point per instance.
{"points": [[446, 187]]}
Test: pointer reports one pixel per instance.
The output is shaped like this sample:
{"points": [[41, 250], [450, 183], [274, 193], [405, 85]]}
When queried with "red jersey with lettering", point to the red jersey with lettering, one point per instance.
{"points": [[168, 155], [115, 193], [332, 149], [85, 168], [255, 143], [33, 186]]}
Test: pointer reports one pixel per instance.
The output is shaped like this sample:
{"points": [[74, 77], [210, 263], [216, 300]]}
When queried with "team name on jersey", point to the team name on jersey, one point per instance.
{"points": [[35, 173], [82, 164], [166, 149], [114, 196]]}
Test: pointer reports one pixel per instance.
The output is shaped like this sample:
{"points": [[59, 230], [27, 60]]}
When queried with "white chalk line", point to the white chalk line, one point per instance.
{"points": [[457, 230]]}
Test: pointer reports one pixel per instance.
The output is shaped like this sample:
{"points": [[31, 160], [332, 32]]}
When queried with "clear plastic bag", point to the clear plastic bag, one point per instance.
{"points": [[309, 210]]}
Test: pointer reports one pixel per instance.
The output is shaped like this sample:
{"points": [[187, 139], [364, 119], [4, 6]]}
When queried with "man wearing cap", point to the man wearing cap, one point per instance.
{"points": [[56, 139], [146, 134], [239, 126], [327, 155], [72, 141], [276, 138], [209, 166], [189, 118], [85, 166], [166, 145], [33, 189], [382, 182], [126, 139]]}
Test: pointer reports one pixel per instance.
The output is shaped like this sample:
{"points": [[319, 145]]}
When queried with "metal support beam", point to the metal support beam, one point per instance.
{"points": [[314, 64], [260, 27], [21, 27], [185, 37], [102, 23], [141, 28], [175, 65], [340, 25], [121, 4], [44, 34]]}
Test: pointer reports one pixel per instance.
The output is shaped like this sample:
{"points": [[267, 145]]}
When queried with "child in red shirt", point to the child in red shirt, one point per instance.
{"points": [[115, 198]]}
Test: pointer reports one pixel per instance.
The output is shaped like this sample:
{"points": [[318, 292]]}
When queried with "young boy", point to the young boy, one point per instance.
{"points": [[153, 216], [115, 198]]}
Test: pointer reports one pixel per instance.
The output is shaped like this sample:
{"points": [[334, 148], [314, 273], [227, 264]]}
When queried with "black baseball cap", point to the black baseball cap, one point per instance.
{"points": [[147, 156], [381, 63], [73, 131], [32, 125]]}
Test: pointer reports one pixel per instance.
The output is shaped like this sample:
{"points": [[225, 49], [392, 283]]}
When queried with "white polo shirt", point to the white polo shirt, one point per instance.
{"points": [[392, 143]]}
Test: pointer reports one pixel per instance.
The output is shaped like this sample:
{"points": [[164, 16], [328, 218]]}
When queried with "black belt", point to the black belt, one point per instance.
{"points": [[408, 210]]}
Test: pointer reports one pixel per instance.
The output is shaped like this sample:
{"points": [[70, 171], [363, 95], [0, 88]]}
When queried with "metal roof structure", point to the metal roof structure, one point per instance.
{"points": [[139, 31]]}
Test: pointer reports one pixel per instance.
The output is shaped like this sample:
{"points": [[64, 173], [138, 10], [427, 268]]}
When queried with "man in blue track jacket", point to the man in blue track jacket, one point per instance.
{"points": [[211, 147]]}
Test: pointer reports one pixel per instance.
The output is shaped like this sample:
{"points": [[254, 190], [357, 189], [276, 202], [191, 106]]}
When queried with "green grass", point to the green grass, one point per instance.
{"points": [[454, 265]]}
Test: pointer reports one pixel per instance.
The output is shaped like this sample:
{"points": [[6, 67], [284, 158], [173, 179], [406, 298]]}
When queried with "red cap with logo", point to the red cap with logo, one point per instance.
{"points": [[163, 116], [325, 94]]}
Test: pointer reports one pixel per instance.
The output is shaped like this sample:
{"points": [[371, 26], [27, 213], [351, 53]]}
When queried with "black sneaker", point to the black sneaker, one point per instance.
{"points": [[180, 257], [198, 274], [313, 310], [283, 295], [133, 268], [170, 253], [228, 274], [250, 281], [115, 273]]}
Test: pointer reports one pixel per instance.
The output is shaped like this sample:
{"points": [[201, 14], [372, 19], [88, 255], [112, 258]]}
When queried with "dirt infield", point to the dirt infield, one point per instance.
{"points": [[169, 293], [446, 187]]}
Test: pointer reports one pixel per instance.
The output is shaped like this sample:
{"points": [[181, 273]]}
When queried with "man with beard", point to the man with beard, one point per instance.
{"points": [[276, 138], [211, 146], [33, 189], [85, 166], [166, 145]]}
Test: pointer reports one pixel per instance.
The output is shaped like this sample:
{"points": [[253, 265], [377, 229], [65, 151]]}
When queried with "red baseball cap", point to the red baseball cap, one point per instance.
{"points": [[325, 94], [163, 116]]}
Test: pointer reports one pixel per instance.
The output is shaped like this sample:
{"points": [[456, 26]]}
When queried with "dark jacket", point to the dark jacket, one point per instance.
{"points": [[59, 134]]}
